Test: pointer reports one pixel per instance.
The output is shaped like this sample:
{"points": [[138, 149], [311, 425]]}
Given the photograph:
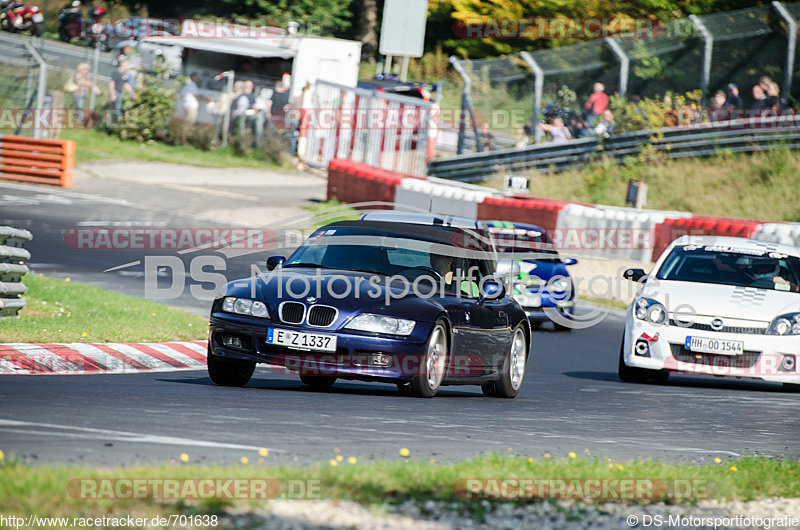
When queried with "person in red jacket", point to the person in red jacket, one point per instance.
{"points": [[596, 104]]}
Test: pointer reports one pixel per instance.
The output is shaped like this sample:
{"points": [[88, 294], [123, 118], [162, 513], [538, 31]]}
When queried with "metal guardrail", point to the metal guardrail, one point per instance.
{"points": [[12, 269], [736, 136]]}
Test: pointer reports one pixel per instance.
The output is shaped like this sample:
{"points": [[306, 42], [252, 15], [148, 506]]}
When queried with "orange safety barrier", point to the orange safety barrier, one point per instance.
{"points": [[37, 160]]}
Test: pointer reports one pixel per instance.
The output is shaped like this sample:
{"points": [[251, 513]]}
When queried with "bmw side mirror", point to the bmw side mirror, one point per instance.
{"points": [[569, 261], [273, 262], [634, 275], [492, 290]]}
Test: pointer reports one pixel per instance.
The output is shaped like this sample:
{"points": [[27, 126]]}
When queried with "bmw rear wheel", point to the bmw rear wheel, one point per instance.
{"points": [[513, 370], [229, 372], [431, 371]]}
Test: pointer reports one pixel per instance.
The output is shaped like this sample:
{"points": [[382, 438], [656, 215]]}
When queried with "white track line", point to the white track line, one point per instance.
{"points": [[124, 436]]}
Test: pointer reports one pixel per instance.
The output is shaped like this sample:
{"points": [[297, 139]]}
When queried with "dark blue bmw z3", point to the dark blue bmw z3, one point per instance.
{"points": [[401, 303]]}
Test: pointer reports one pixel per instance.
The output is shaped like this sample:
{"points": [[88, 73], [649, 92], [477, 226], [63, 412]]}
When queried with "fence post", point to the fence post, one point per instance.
{"points": [[466, 106], [40, 89], [538, 86], [226, 121], [708, 50], [624, 64], [790, 46], [95, 65]]}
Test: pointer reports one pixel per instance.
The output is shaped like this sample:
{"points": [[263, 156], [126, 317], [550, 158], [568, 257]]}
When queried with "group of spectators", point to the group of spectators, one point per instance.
{"points": [[250, 107], [597, 120]]}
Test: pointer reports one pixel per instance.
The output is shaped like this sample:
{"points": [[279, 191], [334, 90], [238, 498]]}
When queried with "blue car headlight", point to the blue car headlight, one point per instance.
{"points": [[245, 306], [788, 324], [650, 310], [381, 324], [559, 286]]}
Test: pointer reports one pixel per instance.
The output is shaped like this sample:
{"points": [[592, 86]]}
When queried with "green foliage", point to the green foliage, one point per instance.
{"points": [[654, 113], [147, 117], [318, 16]]}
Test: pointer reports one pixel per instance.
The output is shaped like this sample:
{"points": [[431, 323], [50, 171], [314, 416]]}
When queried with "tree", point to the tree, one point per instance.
{"points": [[367, 14]]}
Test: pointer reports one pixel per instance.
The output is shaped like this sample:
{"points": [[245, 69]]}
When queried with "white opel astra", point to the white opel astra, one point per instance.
{"points": [[719, 306]]}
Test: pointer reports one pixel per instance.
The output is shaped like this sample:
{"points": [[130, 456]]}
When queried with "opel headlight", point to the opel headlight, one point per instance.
{"points": [[245, 306], [788, 324], [381, 324], [650, 310]]}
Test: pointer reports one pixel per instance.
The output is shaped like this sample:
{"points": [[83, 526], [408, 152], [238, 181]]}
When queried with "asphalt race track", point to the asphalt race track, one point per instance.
{"points": [[571, 400]]}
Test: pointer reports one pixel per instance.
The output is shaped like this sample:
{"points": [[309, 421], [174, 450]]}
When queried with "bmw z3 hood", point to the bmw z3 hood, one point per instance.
{"points": [[745, 303], [350, 292]]}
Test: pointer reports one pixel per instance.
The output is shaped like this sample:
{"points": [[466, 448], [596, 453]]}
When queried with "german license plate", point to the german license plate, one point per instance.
{"points": [[301, 341], [719, 346]]}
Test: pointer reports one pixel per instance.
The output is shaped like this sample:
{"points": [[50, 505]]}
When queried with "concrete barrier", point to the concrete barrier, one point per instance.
{"points": [[354, 182], [432, 196]]}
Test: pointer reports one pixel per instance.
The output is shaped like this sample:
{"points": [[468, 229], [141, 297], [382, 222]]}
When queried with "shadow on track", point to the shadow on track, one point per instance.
{"points": [[341, 387], [686, 381]]}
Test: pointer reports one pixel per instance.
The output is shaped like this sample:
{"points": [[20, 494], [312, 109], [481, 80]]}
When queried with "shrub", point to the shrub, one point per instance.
{"points": [[147, 117]]}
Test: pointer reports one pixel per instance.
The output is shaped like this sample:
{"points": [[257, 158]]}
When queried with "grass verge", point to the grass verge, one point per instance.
{"points": [[756, 186], [96, 145], [331, 211], [44, 490], [65, 311], [616, 304]]}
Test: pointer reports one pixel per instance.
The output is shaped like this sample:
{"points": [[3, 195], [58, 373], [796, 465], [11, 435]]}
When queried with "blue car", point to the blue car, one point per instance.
{"points": [[539, 277], [409, 304]]}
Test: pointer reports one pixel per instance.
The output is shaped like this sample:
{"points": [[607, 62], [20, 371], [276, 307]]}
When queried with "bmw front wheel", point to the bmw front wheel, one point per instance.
{"points": [[513, 370], [431, 371]]}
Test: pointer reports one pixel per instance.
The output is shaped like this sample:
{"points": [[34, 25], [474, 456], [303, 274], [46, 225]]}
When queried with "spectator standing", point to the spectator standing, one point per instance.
{"points": [[121, 85], [526, 138], [557, 130], [734, 100], [773, 100], [605, 127], [596, 104], [80, 86], [189, 97], [486, 138], [278, 103], [759, 100]]}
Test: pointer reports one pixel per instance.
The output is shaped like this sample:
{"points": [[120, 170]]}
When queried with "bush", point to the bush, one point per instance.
{"points": [[657, 112], [147, 117]]}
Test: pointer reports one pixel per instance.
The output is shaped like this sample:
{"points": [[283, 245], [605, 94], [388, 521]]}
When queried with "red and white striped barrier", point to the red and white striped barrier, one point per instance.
{"points": [[604, 231], [81, 358]]}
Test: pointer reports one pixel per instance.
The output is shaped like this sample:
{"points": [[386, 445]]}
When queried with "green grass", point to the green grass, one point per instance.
{"points": [[758, 186], [326, 212], [93, 145], [616, 304], [43, 490], [66, 311]]}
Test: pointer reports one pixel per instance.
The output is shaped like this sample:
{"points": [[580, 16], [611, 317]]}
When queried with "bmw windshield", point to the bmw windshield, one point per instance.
{"points": [[739, 267], [388, 254]]}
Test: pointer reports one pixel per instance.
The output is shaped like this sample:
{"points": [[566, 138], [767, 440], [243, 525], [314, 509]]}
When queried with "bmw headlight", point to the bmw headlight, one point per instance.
{"points": [[245, 306], [788, 324], [650, 310], [381, 324]]}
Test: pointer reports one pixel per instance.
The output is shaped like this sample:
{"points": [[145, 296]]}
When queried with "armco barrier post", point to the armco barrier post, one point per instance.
{"points": [[12, 269], [37, 160]]}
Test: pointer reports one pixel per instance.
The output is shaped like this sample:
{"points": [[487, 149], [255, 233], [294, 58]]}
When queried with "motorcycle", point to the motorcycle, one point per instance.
{"points": [[17, 17], [72, 25]]}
